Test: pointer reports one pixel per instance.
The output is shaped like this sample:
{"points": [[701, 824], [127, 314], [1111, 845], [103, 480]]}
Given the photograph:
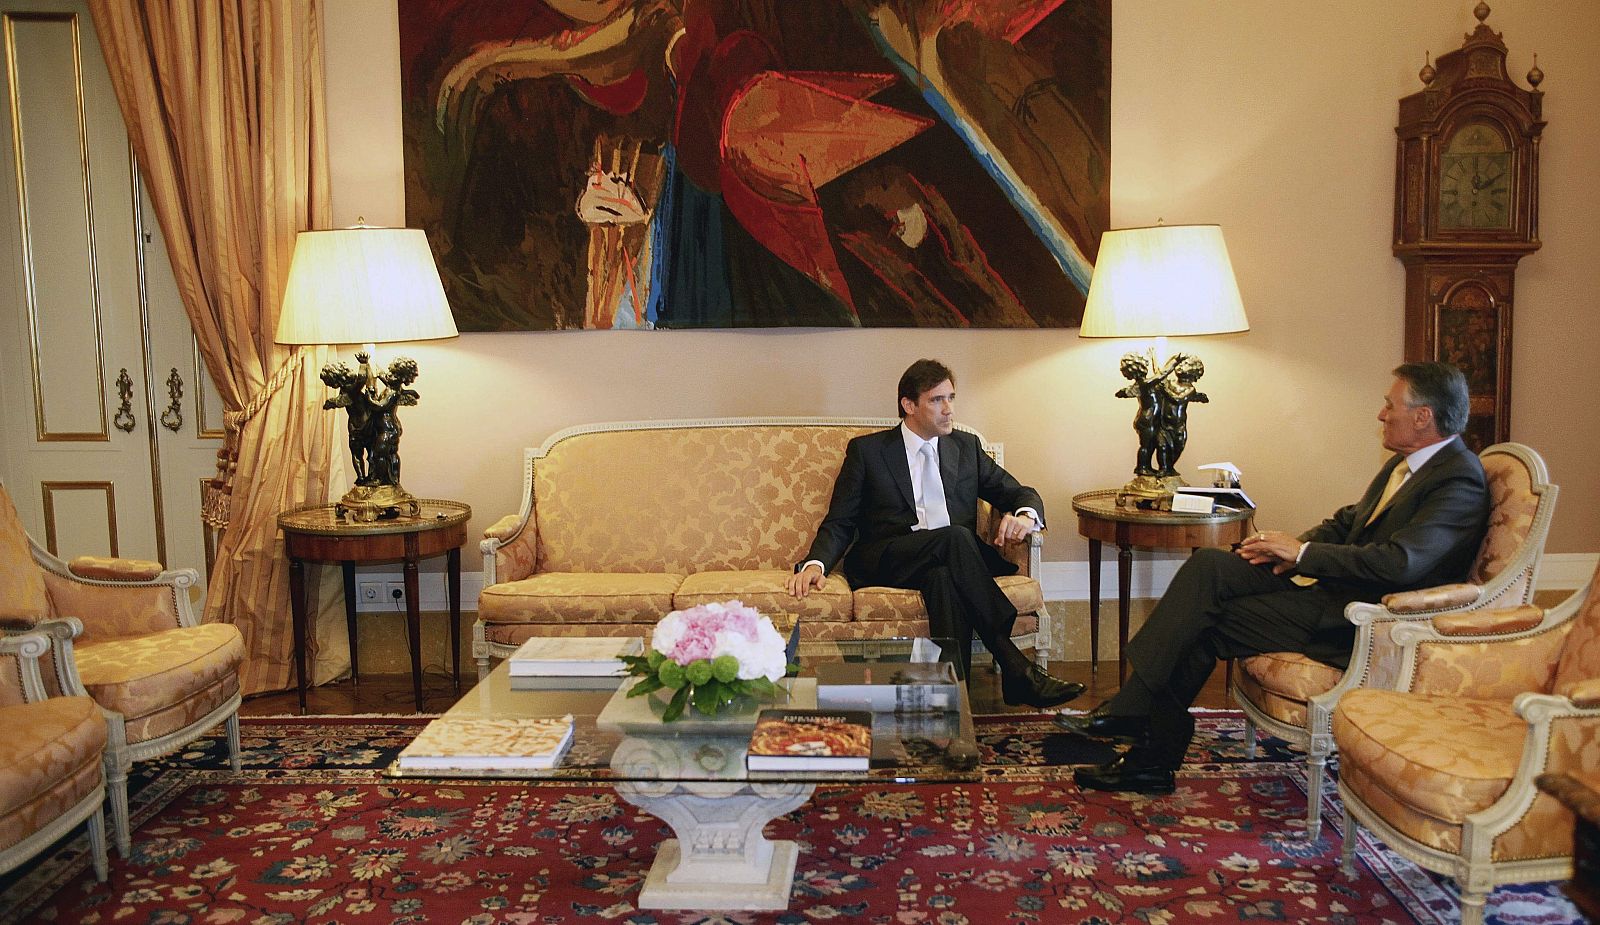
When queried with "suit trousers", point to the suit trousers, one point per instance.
{"points": [[948, 566], [1218, 606]]}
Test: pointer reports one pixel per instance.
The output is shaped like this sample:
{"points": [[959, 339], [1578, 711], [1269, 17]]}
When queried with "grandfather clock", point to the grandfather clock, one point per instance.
{"points": [[1466, 210]]}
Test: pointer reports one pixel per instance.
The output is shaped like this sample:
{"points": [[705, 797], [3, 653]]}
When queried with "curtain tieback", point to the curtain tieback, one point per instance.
{"points": [[214, 505]]}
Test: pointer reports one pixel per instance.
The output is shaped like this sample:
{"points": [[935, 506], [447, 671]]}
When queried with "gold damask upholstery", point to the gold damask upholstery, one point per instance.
{"points": [[621, 523], [1292, 696], [1440, 762], [52, 773], [161, 678]]}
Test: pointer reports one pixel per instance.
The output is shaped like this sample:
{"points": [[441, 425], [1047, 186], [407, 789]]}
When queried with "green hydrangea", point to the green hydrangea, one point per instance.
{"points": [[671, 674], [698, 671], [725, 668]]}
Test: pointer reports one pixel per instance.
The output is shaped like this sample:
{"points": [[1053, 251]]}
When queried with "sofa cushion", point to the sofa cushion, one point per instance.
{"points": [[1280, 683], [49, 762], [165, 681], [1446, 757], [876, 603], [685, 499], [580, 597], [767, 591]]}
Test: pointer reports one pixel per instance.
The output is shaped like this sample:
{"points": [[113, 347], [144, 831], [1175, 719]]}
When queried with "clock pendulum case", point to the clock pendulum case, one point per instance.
{"points": [[1466, 210]]}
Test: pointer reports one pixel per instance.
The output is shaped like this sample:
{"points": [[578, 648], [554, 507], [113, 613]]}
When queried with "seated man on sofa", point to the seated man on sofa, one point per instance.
{"points": [[905, 506], [1419, 524]]}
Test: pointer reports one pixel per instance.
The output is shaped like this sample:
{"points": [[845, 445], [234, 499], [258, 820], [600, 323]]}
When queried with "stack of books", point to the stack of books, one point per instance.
{"points": [[888, 687], [811, 740], [572, 661], [477, 744]]}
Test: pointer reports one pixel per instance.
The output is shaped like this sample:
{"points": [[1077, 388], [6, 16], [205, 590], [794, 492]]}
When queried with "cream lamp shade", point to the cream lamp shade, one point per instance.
{"points": [[363, 285], [1163, 281]]}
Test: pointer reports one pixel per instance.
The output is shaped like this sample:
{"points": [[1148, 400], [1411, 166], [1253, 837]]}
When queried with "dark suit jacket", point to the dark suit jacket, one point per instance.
{"points": [[873, 501], [1428, 535]]}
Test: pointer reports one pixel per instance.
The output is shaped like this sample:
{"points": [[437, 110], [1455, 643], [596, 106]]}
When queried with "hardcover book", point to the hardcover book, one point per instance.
{"points": [[474, 743], [811, 740], [884, 687], [573, 655]]}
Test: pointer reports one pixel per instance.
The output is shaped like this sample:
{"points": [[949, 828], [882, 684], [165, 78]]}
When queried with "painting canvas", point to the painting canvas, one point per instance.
{"points": [[601, 164]]}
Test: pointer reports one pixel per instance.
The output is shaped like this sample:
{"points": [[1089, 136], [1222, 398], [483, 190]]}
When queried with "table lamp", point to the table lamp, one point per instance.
{"points": [[366, 285], [1161, 281]]}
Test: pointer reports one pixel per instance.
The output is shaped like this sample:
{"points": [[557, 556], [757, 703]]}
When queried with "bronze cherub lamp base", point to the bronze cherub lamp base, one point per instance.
{"points": [[372, 401], [1164, 391]]}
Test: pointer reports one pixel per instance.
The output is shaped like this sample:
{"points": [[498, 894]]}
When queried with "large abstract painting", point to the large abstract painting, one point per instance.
{"points": [[592, 164]]}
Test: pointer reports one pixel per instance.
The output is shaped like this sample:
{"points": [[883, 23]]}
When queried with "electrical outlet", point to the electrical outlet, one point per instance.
{"points": [[395, 591], [369, 591]]}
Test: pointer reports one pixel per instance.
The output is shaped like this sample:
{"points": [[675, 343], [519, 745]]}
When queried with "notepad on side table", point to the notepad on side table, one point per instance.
{"points": [[573, 655], [474, 744]]}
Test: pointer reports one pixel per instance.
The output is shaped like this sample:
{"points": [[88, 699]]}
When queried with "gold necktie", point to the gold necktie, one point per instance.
{"points": [[1396, 479]]}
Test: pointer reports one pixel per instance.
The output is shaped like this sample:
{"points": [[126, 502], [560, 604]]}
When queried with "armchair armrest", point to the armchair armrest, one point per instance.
{"points": [[27, 648], [105, 568], [1027, 555], [510, 549], [62, 676], [1585, 693], [1442, 597], [1488, 622]]}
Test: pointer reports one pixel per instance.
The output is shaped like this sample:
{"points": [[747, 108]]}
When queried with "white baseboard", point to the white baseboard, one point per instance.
{"points": [[1069, 581], [430, 591]]}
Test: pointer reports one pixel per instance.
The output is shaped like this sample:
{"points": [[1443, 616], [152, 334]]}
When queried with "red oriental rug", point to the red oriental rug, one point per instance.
{"points": [[313, 832]]}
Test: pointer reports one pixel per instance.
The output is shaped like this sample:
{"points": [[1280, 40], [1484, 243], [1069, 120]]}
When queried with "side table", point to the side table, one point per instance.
{"points": [[1101, 520], [316, 533]]}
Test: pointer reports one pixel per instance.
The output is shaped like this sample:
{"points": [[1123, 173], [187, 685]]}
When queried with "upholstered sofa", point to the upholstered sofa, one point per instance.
{"points": [[621, 523]]}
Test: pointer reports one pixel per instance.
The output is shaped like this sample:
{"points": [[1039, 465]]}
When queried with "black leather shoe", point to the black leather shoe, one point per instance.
{"points": [[1099, 723], [1130, 773], [1037, 689]]}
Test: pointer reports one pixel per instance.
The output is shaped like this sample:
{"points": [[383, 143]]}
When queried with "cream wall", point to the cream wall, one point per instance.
{"points": [[1273, 118]]}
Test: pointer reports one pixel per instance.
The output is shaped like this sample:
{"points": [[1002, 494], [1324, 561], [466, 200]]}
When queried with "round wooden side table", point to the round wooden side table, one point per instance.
{"points": [[1102, 520], [315, 532]]}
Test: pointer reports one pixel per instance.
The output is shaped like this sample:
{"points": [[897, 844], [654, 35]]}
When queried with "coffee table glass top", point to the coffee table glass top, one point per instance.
{"points": [[622, 739]]}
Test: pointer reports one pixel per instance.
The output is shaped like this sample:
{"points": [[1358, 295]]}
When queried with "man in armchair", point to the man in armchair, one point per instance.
{"points": [[904, 515], [1419, 524]]}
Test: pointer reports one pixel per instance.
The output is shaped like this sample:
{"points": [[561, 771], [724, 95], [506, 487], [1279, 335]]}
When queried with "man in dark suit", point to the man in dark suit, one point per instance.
{"points": [[905, 506], [1419, 524]]}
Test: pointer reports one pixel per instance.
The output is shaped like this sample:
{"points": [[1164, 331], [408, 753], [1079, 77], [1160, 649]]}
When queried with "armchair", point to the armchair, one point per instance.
{"points": [[161, 677], [1292, 696], [1441, 764], [51, 774]]}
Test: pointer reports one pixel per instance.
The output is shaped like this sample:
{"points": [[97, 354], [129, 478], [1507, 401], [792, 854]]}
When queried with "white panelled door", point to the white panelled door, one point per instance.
{"points": [[109, 422]]}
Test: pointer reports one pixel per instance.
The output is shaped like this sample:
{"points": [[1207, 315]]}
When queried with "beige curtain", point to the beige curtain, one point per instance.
{"points": [[224, 104]]}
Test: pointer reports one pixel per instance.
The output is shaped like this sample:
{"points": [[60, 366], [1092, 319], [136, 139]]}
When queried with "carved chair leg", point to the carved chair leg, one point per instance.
{"points": [[1347, 851], [233, 742], [1316, 767], [97, 844], [117, 791], [1249, 739], [483, 667]]}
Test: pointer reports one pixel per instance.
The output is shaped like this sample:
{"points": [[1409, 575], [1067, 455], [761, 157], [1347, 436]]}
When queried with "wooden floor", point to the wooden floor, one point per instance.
{"points": [[392, 693]]}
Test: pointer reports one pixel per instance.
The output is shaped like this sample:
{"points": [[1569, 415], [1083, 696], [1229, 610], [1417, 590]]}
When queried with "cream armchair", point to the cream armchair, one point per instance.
{"points": [[1441, 765], [51, 773], [1292, 696], [161, 677]]}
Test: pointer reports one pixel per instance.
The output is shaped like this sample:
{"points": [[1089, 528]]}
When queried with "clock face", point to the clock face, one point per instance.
{"points": [[1475, 180]]}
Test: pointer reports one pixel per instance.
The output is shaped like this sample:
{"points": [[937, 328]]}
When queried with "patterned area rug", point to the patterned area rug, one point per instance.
{"points": [[313, 832]]}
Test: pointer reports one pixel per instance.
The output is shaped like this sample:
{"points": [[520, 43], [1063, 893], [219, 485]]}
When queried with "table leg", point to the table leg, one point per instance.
{"points": [[413, 618], [297, 612], [350, 617], [1124, 592], [453, 577], [1094, 608]]}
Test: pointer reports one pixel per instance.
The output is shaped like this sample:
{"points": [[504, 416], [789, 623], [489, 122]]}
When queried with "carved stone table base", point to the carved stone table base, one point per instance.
{"points": [[720, 859]]}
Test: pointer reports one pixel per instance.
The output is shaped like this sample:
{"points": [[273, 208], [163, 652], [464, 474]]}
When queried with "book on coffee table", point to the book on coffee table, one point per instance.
{"points": [[587, 656], [482, 743], [811, 740], [888, 687]]}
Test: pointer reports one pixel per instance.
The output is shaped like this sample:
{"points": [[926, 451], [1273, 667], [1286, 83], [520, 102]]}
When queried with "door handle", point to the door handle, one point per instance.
{"points": [[123, 419], [172, 418]]}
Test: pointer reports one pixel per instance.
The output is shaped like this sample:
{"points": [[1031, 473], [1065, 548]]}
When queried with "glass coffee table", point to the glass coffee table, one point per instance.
{"points": [[691, 773]]}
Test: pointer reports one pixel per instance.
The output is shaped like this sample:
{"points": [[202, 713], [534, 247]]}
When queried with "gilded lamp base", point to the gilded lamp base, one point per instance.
{"points": [[368, 503]]}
